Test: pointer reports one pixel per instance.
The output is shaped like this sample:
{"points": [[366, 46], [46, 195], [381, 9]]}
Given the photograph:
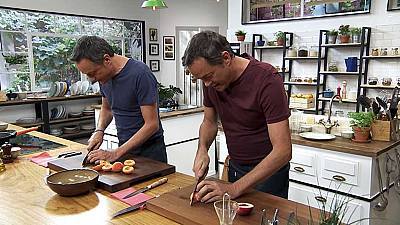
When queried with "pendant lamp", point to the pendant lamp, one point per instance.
{"points": [[154, 4]]}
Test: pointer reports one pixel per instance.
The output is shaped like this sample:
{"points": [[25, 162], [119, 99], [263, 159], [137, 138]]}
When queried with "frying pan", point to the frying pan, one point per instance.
{"points": [[5, 136]]}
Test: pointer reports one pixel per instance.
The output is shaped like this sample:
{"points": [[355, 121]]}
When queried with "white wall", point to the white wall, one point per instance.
{"points": [[385, 33], [188, 13]]}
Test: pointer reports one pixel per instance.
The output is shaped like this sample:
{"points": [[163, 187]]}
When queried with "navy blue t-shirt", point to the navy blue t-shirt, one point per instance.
{"points": [[134, 86]]}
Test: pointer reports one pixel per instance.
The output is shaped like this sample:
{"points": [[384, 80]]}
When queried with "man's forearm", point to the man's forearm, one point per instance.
{"points": [[207, 134], [105, 118]]}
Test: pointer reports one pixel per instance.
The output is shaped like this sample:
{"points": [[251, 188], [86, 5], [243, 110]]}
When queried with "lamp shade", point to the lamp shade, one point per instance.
{"points": [[154, 4]]}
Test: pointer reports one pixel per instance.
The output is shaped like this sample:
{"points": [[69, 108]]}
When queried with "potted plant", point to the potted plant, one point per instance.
{"points": [[355, 34], [166, 95], [332, 35], [361, 123], [280, 38], [344, 31], [240, 35]]}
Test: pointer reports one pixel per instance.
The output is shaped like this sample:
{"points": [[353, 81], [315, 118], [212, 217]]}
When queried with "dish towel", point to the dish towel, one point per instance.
{"points": [[42, 159], [139, 198]]}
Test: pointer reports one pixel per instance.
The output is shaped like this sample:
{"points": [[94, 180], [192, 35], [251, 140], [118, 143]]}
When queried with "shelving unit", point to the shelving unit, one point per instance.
{"points": [[42, 112], [323, 72]]}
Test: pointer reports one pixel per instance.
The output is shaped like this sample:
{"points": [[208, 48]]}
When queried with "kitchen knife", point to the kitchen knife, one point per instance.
{"points": [[84, 159], [195, 186], [141, 205], [148, 187]]}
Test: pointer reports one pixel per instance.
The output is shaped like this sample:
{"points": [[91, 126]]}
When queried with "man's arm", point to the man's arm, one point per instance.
{"points": [[105, 118], [207, 133], [150, 127], [280, 155]]}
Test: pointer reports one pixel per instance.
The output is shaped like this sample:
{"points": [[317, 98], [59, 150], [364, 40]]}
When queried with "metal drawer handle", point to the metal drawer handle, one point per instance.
{"points": [[320, 199], [339, 178], [299, 169]]}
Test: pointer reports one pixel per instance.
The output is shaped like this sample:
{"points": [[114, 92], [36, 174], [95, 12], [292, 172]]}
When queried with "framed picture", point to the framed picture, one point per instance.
{"points": [[153, 34], [154, 49], [169, 47], [155, 65]]}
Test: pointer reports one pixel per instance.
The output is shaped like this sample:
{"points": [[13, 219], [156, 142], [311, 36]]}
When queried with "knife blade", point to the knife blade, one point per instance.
{"points": [[132, 208], [195, 186], [148, 187], [84, 159]]}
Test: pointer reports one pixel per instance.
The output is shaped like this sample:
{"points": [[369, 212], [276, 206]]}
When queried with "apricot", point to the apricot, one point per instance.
{"points": [[127, 169], [129, 162], [102, 162], [107, 167], [97, 167], [117, 167]]}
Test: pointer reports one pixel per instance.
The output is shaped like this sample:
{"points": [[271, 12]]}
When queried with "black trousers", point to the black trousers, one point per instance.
{"points": [[153, 149], [277, 184]]}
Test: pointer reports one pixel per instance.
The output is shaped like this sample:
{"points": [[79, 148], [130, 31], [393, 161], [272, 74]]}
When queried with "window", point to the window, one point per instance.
{"points": [[35, 47], [255, 11]]}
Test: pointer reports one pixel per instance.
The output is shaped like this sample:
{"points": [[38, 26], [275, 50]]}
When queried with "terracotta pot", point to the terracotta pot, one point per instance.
{"points": [[361, 133], [280, 41], [344, 38], [241, 38]]}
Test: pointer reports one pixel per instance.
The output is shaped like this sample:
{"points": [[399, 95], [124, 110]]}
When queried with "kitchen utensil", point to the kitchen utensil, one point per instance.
{"points": [[264, 220], [275, 217], [72, 182], [383, 202], [145, 169], [84, 161], [148, 187], [132, 208], [68, 154], [317, 136], [197, 183], [5, 136], [226, 210]]}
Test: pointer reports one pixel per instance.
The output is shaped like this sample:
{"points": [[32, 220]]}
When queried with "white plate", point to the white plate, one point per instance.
{"points": [[96, 88], [317, 136], [85, 86], [79, 87]]}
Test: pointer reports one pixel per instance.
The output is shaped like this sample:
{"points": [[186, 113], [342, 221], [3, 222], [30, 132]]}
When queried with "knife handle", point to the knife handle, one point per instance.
{"points": [[158, 183]]}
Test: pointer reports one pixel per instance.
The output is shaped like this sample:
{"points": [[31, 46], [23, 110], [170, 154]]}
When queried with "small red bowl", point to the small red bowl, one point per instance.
{"points": [[245, 209]]}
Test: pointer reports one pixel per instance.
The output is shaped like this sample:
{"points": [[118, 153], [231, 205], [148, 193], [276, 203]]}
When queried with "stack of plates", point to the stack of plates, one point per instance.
{"points": [[56, 132], [71, 129], [96, 88], [88, 126], [80, 88], [58, 113], [58, 89], [74, 114], [88, 111]]}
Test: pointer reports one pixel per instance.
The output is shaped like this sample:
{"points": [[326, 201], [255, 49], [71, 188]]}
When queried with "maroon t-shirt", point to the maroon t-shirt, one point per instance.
{"points": [[245, 108]]}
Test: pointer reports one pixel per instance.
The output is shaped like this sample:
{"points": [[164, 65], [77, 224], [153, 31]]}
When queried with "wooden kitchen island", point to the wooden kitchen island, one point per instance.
{"points": [[26, 199]]}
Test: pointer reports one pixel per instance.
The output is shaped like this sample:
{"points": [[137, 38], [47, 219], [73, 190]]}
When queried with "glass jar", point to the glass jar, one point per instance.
{"points": [[314, 80], [308, 79], [384, 52], [375, 52], [293, 79], [303, 51], [373, 81], [332, 66], [395, 51], [313, 51], [292, 52], [387, 81]]}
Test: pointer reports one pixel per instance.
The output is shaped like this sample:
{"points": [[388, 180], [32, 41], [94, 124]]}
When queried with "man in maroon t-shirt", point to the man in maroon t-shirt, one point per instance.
{"points": [[249, 98]]}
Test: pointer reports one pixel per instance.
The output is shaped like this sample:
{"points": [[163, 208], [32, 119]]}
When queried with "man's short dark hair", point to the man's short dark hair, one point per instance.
{"points": [[209, 45], [92, 48]]}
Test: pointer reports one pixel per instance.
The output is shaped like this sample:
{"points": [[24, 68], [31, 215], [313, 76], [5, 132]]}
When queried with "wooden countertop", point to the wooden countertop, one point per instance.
{"points": [[26, 199], [164, 115], [371, 149]]}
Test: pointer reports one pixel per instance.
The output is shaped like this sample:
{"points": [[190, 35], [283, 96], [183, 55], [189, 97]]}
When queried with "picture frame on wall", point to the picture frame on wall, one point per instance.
{"points": [[154, 49], [153, 34], [155, 65], [169, 47]]}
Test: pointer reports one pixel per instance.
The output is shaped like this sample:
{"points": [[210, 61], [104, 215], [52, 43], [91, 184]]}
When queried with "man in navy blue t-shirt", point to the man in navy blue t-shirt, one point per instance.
{"points": [[130, 95]]}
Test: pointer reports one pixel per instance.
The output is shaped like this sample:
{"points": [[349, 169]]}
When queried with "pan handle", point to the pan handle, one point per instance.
{"points": [[26, 130]]}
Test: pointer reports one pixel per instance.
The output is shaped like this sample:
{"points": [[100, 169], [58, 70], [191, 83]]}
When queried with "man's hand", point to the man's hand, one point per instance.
{"points": [[201, 162], [211, 191], [95, 141], [100, 154]]}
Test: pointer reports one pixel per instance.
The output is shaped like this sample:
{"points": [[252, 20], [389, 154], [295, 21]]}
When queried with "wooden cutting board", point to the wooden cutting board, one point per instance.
{"points": [[144, 169], [175, 206]]}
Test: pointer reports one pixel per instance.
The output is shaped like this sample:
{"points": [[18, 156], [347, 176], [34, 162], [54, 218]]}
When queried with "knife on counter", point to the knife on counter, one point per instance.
{"points": [[195, 186], [148, 187], [132, 208]]}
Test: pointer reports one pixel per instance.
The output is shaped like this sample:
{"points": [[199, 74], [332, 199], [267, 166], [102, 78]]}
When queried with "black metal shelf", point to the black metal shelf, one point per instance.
{"points": [[301, 58], [301, 83], [336, 100]]}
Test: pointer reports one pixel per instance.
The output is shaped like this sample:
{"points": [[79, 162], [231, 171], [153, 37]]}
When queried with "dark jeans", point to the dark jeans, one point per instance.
{"points": [[277, 184], [153, 149]]}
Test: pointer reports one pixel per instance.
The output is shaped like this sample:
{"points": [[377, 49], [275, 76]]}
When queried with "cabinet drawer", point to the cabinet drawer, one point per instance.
{"points": [[303, 167], [340, 169], [181, 128]]}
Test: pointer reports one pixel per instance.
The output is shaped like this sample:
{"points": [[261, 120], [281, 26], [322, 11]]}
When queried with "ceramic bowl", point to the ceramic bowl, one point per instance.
{"points": [[347, 134], [245, 209], [15, 152], [73, 182]]}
